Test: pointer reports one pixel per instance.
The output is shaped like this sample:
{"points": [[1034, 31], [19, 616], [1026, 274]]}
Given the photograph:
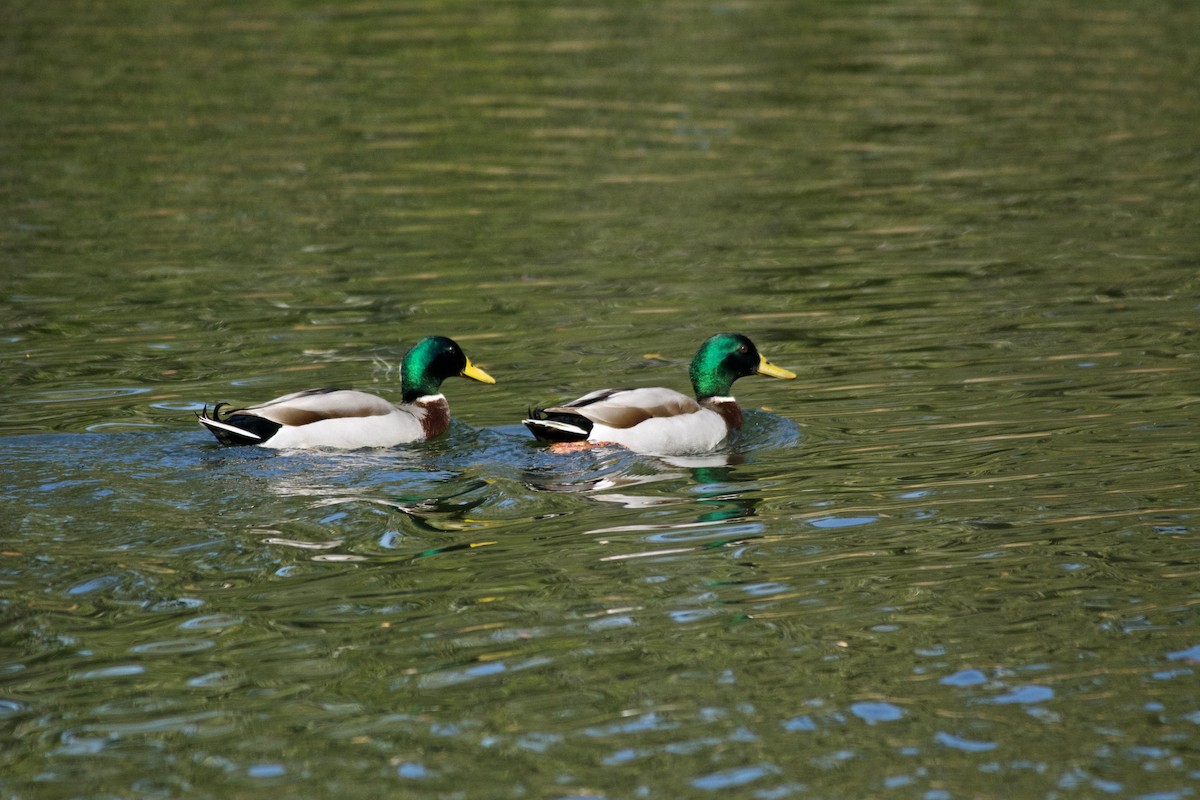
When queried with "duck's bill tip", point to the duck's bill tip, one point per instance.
{"points": [[771, 371], [476, 374]]}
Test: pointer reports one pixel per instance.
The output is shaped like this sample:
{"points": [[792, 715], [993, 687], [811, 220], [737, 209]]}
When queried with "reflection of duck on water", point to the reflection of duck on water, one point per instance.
{"points": [[712, 473], [728, 519], [719, 503]]}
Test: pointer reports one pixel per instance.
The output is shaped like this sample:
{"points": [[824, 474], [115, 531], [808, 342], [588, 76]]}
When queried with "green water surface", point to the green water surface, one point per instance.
{"points": [[958, 557]]}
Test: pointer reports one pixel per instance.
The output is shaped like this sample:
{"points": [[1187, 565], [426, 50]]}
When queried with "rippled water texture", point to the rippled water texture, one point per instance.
{"points": [[956, 558]]}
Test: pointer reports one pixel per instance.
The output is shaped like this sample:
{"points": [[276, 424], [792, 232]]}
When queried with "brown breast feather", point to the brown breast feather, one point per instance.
{"points": [[728, 409]]}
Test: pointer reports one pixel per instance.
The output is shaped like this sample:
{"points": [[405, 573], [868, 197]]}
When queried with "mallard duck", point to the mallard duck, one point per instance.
{"points": [[663, 421], [348, 419]]}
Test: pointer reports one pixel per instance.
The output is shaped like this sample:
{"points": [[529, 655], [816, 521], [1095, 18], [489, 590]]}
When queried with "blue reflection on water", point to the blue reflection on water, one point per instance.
{"points": [[966, 677], [841, 522], [1191, 654], [1025, 695], [876, 712], [966, 745], [411, 770], [734, 777]]}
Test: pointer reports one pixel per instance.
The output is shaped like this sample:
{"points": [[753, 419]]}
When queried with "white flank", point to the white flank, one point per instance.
{"points": [[683, 434]]}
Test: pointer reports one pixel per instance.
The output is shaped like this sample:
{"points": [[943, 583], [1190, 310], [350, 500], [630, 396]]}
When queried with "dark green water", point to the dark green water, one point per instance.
{"points": [[957, 558]]}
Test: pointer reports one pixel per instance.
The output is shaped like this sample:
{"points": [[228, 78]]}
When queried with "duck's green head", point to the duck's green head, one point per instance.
{"points": [[431, 361], [724, 358]]}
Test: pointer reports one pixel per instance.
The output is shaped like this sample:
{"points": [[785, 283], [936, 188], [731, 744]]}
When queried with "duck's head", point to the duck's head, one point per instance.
{"points": [[431, 361], [725, 357]]}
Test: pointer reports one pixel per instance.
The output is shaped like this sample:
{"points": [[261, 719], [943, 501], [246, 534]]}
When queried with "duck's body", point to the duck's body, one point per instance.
{"points": [[340, 418], [347, 419], [647, 420], [663, 421]]}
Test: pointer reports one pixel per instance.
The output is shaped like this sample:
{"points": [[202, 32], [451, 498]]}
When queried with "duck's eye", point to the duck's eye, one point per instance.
{"points": [[743, 349]]}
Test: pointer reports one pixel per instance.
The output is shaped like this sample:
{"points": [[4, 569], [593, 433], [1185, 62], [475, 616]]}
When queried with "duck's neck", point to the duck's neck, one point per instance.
{"points": [[436, 417], [727, 407]]}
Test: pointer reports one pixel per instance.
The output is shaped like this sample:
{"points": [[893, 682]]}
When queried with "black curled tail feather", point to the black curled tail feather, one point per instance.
{"points": [[214, 415], [211, 416], [237, 429]]}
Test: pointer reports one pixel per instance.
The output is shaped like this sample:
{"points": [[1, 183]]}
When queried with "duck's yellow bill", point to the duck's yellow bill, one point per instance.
{"points": [[771, 371], [476, 374]]}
